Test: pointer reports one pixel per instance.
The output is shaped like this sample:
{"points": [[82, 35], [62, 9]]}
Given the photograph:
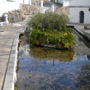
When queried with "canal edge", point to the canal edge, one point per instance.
{"points": [[11, 74], [83, 33]]}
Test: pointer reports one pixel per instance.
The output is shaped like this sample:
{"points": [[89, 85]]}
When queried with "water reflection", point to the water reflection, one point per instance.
{"points": [[45, 53], [51, 69], [84, 77]]}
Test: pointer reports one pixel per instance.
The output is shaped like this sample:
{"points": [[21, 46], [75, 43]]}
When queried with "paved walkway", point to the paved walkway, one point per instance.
{"points": [[7, 36]]}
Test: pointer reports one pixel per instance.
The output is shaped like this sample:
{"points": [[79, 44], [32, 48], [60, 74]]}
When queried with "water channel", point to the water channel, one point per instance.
{"points": [[50, 69]]}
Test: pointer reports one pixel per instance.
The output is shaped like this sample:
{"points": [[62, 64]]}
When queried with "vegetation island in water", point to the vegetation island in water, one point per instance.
{"points": [[50, 30]]}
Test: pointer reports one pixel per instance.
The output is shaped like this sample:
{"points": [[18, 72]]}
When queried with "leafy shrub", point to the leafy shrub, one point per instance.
{"points": [[50, 29], [59, 40], [48, 21]]}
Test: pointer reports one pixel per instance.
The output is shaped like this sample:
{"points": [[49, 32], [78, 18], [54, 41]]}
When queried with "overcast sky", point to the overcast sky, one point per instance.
{"points": [[20, 1], [9, 6]]}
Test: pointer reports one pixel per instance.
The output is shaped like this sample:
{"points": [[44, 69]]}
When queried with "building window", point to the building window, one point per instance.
{"points": [[81, 16]]}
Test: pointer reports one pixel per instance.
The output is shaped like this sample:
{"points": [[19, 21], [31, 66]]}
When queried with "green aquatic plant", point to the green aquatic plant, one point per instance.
{"points": [[50, 30]]}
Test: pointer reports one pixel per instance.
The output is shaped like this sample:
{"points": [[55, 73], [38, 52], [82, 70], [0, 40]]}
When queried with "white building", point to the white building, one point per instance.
{"points": [[79, 10]]}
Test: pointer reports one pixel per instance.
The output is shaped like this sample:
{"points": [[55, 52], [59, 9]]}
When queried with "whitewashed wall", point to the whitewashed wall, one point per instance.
{"points": [[75, 7], [80, 3], [74, 15], [74, 2]]}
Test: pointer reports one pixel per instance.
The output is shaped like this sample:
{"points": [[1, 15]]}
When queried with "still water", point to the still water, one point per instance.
{"points": [[50, 69]]}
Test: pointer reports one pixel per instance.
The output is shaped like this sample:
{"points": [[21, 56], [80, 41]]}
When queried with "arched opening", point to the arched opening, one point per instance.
{"points": [[81, 16]]}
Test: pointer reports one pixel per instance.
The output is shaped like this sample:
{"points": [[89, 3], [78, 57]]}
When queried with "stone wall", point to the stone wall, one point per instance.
{"points": [[28, 10], [15, 16], [62, 10], [33, 9]]}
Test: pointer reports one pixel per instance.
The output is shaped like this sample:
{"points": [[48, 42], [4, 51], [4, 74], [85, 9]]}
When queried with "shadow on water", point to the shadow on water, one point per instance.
{"points": [[50, 69]]}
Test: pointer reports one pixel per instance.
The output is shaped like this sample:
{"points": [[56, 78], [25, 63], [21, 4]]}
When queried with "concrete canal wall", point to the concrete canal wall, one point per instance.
{"points": [[83, 31], [80, 28]]}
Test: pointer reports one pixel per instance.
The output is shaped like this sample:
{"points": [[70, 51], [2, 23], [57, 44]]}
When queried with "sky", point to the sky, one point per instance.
{"points": [[20, 1], [9, 6]]}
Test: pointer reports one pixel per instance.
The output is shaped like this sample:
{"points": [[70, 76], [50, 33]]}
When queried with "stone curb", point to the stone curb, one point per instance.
{"points": [[81, 32], [85, 34], [11, 76]]}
